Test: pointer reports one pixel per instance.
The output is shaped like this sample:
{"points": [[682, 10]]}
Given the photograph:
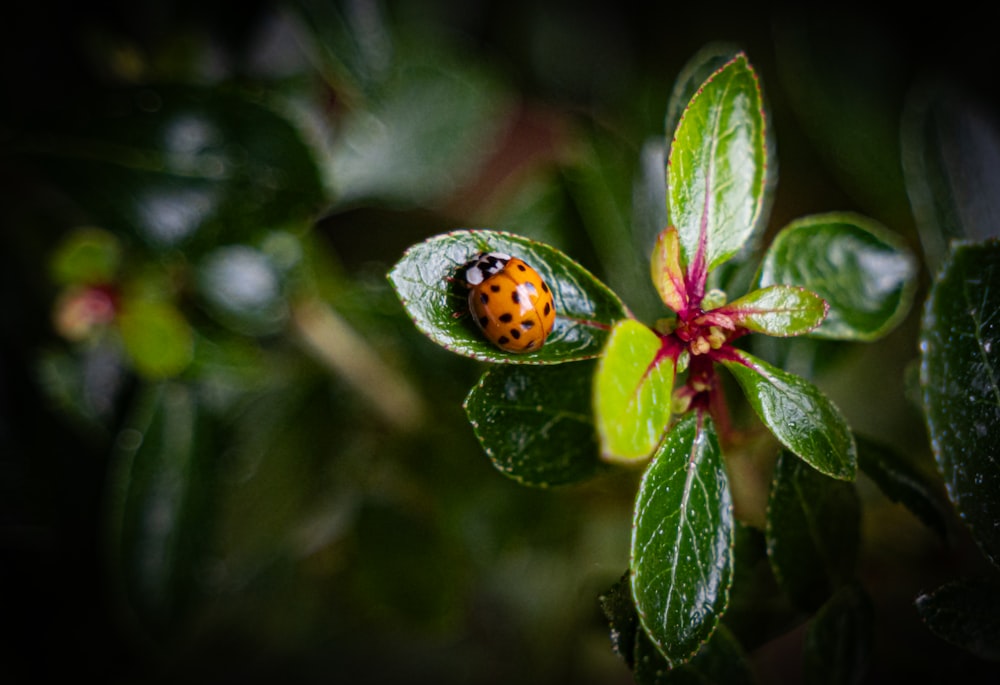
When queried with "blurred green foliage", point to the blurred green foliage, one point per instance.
{"points": [[225, 452]]}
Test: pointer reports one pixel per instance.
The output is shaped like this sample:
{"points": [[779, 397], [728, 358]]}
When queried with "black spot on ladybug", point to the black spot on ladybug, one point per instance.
{"points": [[547, 309], [521, 267], [545, 287], [514, 333], [506, 317], [527, 323], [484, 321], [484, 298], [495, 288], [516, 297], [503, 340]]}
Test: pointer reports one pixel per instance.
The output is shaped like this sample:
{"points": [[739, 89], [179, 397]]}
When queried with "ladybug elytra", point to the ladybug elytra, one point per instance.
{"points": [[509, 301]]}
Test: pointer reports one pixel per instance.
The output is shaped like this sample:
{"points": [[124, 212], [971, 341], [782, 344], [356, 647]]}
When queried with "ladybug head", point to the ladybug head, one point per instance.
{"points": [[484, 265]]}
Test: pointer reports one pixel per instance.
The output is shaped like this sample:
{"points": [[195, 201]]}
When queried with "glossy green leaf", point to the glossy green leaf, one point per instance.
{"points": [[87, 256], [682, 538], [904, 481], [633, 387], [717, 168], [183, 166], [708, 60], [424, 281], [965, 613], [960, 375], [160, 488], [951, 164], [157, 337], [779, 310], [839, 639], [801, 417], [535, 423], [813, 532], [865, 273]]}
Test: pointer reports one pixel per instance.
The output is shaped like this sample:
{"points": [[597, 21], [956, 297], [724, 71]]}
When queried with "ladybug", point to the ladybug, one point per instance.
{"points": [[509, 301]]}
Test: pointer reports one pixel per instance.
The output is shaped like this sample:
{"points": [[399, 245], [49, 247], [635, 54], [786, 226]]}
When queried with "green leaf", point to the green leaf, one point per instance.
{"points": [[721, 660], [428, 131], [633, 388], [353, 46], [960, 374], [759, 610], [182, 166], [951, 148], [424, 281], [902, 480], [965, 613], [682, 539], [801, 417], [157, 337], [87, 256], [666, 271], [839, 639], [779, 310], [708, 60], [161, 487], [865, 273], [717, 168], [535, 423], [813, 532]]}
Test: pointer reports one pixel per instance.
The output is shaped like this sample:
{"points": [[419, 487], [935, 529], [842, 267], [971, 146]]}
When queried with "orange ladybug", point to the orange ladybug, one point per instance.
{"points": [[509, 301]]}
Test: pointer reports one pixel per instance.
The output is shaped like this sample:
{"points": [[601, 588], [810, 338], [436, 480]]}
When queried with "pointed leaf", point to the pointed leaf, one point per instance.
{"points": [[779, 310], [960, 375], [535, 423], [667, 272], [903, 480], [717, 167], [965, 613], [865, 273], [802, 418], [682, 540], [632, 392], [708, 60], [424, 281], [813, 532], [839, 639], [619, 610]]}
